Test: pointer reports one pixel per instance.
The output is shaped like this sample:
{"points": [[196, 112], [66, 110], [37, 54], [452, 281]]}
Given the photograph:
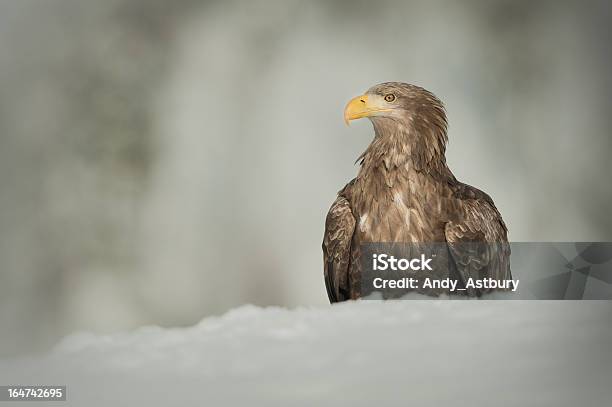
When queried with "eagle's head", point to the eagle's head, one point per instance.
{"points": [[398, 101], [404, 114]]}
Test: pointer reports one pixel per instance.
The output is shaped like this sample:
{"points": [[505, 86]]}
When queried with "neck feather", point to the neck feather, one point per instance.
{"points": [[398, 143]]}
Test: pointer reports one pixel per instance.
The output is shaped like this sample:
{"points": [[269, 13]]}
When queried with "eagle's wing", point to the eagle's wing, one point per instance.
{"points": [[339, 228], [478, 240]]}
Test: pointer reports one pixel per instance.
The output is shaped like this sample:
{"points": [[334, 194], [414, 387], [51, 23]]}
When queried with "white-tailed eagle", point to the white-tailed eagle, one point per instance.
{"points": [[406, 193]]}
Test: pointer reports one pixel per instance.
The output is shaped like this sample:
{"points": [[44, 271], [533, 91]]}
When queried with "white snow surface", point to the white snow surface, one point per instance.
{"points": [[421, 353]]}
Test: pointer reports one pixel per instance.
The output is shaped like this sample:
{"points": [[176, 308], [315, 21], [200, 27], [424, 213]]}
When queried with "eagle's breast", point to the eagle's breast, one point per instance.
{"points": [[407, 210]]}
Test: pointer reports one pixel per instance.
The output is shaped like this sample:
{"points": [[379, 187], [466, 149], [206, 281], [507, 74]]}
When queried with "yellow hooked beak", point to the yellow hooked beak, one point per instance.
{"points": [[364, 106]]}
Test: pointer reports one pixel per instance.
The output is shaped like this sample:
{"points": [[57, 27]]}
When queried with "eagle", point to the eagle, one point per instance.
{"points": [[405, 193]]}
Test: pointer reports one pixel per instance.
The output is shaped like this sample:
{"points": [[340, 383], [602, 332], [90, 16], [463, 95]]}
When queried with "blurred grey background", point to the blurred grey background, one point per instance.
{"points": [[164, 161]]}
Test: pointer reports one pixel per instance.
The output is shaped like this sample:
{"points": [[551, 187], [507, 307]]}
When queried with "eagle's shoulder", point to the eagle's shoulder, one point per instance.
{"points": [[347, 191], [480, 208], [464, 191]]}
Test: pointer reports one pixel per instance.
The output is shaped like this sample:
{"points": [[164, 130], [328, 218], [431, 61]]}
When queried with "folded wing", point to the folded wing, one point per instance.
{"points": [[478, 239], [339, 228]]}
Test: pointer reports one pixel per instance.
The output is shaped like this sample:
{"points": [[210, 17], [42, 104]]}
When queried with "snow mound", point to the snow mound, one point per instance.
{"points": [[422, 353]]}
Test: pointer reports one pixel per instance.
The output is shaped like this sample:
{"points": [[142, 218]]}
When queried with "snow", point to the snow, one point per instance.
{"points": [[422, 353]]}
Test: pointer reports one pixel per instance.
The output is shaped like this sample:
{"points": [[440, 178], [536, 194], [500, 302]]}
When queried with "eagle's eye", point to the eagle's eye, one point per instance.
{"points": [[390, 97]]}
